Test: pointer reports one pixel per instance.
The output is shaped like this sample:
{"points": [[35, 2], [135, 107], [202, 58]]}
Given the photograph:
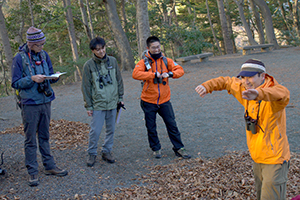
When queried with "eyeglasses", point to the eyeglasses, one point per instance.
{"points": [[40, 45], [98, 49]]}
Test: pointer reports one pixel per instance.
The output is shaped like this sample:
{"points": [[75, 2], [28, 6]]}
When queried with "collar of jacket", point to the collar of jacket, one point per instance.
{"points": [[148, 55], [99, 60]]}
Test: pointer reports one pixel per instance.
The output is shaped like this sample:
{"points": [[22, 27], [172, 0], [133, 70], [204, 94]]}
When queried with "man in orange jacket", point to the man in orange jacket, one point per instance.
{"points": [[155, 70], [264, 101]]}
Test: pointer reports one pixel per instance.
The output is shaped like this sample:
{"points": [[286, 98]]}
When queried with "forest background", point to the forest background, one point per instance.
{"points": [[185, 27]]}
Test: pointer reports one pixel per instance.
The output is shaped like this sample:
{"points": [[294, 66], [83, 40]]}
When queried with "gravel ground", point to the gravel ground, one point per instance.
{"points": [[210, 127]]}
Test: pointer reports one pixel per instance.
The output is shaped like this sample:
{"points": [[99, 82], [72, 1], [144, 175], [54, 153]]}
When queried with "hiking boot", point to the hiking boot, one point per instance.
{"points": [[56, 172], [33, 180], [182, 153], [157, 154], [107, 157], [91, 160]]}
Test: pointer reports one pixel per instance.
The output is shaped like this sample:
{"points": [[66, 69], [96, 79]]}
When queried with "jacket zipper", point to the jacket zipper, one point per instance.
{"points": [[157, 85]]}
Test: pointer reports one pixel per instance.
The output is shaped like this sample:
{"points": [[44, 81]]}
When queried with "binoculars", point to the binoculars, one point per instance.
{"points": [[44, 88], [157, 79], [250, 124], [105, 80]]}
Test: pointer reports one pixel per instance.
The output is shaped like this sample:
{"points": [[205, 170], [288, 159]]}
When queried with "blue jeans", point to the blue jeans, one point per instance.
{"points": [[99, 116], [36, 120], [165, 110]]}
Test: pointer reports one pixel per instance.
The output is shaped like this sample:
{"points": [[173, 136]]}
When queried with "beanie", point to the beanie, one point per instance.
{"points": [[35, 36], [251, 67]]}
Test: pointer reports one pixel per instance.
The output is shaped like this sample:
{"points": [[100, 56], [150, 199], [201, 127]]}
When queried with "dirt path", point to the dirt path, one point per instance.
{"points": [[210, 127]]}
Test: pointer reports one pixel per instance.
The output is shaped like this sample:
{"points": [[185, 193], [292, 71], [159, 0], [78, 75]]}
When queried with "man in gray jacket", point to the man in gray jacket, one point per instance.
{"points": [[102, 89]]}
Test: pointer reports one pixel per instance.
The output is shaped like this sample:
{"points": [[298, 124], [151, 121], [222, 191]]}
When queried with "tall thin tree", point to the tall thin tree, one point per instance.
{"points": [[212, 28], [265, 10], [143, 24], [127, 61], [84, 19], [5, 39], [225, 32], [71, 30]]}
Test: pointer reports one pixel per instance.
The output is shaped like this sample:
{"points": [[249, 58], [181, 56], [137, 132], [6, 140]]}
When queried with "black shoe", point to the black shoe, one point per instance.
{"points": [[33, 180], [56, 172], [182, 153], [107, 157], [91, 160]]}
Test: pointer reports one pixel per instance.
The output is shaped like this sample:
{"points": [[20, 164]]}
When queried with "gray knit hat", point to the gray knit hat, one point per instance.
{"points": [[35, 35], [251, 67]]}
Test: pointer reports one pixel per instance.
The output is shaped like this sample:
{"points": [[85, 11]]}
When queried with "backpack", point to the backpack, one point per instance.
{"points": [[24, 64]]}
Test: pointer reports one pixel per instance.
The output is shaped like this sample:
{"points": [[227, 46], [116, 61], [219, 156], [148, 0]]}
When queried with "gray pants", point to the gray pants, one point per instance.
{"points": [[96, 126], [36, 120], [270, 180]]}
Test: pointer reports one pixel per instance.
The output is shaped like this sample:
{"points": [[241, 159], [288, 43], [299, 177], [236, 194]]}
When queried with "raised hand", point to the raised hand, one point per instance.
{"points": [[201, 90], [250, 94]]}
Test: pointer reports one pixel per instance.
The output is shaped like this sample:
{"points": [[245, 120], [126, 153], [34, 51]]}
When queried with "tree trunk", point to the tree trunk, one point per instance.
{"points": [[143, 24], [127, 61], [5, 40], [123, 14], [268, 22], [31, 13], [287, 27], [85, 19], [71, 30], [90, 18], [225, 32], [212, 28], [258, 22], [229, 25], [240, 5], [296, 18]]}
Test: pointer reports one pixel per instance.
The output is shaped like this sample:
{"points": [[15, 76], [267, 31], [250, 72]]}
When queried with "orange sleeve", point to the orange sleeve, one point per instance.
{"points": [[175, 68], [140, 73]]}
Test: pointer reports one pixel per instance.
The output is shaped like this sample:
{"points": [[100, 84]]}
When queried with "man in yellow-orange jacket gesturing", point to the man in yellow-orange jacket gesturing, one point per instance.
{"points": [[265, 120]]}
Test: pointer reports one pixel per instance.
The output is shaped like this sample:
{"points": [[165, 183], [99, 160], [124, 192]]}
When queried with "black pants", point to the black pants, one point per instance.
{"points": [[165, 110], [36, 120]]}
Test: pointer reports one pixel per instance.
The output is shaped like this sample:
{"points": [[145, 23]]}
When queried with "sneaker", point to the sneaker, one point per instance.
{"points": [[182, 153], [33, 180], [56, 172], [91, 160], [107, 157], [157, 154]]}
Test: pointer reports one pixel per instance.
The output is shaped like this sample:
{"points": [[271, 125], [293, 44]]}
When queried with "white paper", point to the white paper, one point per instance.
{"points": [[55, 75]]}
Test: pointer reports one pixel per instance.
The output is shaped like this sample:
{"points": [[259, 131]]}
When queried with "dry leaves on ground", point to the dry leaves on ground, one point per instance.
{"points": [[228, 177], [64, 133]]}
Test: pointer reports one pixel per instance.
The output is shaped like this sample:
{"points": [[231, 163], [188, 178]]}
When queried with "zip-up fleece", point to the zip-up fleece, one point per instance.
{"points": [[270, 144], [21, 76], [106, 98], [156, 93]]}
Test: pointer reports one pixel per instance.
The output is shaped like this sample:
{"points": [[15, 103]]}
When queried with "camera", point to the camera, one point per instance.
{"points": [[250, 124], [44, 88], [157, 79]]}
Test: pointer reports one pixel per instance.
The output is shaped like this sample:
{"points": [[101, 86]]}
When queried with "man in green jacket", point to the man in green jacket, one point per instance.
{"points": [[102, 89]]}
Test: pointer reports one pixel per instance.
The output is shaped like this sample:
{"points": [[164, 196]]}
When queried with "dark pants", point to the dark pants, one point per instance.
{"points": [[165, 110], [36, 120]]}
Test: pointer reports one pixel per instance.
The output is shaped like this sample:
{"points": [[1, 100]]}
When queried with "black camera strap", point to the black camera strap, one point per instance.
{"points": [[257, 116]]}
